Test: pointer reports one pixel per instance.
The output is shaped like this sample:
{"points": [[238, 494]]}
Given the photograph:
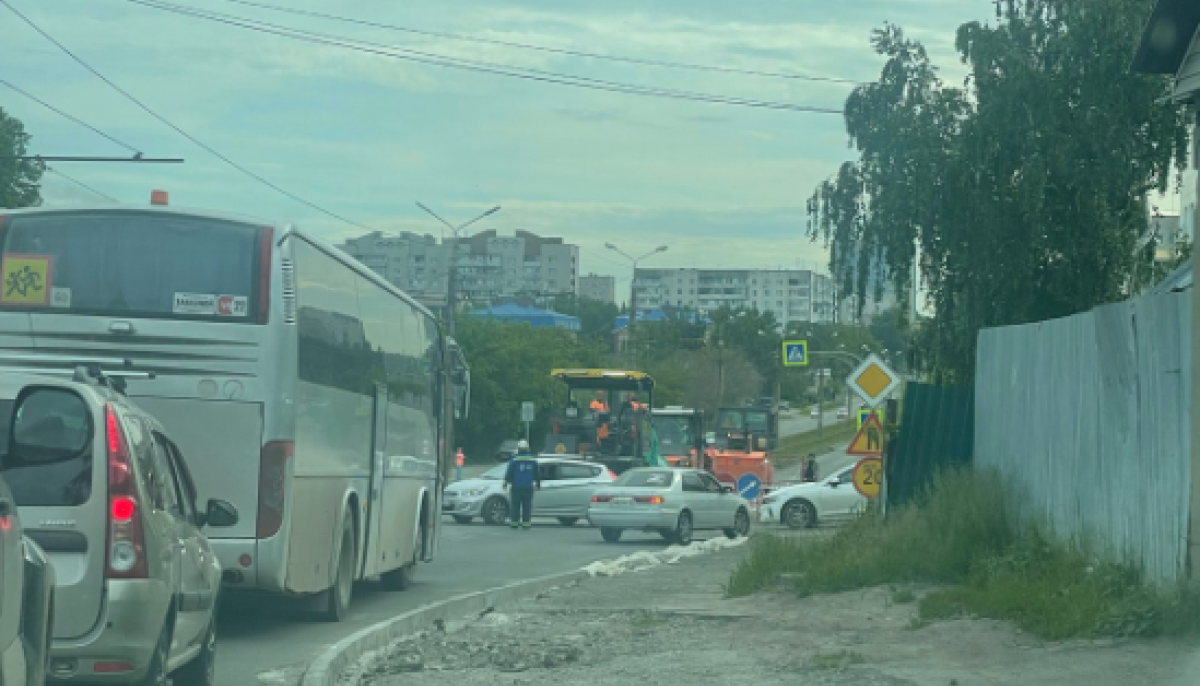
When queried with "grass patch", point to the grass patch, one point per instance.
{"points": [[839, 660], [801, 444], [958, 533]]}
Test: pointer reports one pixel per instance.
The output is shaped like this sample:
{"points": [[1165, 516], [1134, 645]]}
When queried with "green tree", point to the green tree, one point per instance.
{"points": [[19, 179], [596, 317], [1025, 190]]}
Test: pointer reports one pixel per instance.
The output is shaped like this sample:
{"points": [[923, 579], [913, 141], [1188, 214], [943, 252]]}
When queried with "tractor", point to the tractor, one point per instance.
{"points": [[606, 417]]}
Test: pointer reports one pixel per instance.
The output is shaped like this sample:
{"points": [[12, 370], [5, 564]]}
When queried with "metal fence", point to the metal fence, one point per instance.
{"points": [[1087, 419], [936, 432]]}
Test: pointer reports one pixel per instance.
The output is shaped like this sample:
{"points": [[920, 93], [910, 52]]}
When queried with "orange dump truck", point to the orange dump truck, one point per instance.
{"points": [[739, 453]]}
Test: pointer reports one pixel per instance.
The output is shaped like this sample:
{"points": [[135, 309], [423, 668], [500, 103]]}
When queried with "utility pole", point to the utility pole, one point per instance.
{"points": [[452, 267], [633, 295]]}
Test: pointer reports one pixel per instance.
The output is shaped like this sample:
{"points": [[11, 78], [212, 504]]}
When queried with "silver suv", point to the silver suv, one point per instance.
{"points": [[26, 601], [104, 491]]}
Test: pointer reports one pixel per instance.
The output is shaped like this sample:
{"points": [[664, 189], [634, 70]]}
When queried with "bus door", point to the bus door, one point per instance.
{"points": [[372, 562]]}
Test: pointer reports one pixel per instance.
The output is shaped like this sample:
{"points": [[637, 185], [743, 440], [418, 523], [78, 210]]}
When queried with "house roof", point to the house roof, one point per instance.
{"points": [[537, 318], [1167, 36], [657, 315]]}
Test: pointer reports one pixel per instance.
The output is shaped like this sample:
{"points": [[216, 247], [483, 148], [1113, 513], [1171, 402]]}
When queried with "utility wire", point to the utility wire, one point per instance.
{"points": [[73, 118], [473, 65], [175, 128], [81, 184], [540, 48]]}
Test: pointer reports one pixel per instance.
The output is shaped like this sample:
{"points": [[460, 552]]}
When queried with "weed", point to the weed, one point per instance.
{"points": [[839, 660], [959, 532], [917, 623]]}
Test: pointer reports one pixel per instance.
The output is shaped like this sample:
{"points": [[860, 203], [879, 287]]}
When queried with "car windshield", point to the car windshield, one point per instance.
{"points": [[646, 478]]}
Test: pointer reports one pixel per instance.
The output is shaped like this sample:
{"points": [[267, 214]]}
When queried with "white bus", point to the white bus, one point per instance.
{"points": [[299, 385]]}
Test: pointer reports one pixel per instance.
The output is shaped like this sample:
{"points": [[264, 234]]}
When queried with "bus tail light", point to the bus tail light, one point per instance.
{"points": [[126, 537], [264, 274], [272, 486], [159, 198]]}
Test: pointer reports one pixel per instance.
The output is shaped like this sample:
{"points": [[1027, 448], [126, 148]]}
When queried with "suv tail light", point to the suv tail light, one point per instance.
{"points": [[272, 486], [126, 535]]}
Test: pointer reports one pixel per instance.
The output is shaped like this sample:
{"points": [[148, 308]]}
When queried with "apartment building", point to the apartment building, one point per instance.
{"points": [[489, 266], [792, 295], [596, 287]]}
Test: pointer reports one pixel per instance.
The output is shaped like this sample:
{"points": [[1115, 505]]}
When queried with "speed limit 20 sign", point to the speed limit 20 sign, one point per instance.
{"points": [[868, 476]]}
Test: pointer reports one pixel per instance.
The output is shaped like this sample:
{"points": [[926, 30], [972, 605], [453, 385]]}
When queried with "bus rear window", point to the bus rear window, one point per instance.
{"points": [[131, 264]]}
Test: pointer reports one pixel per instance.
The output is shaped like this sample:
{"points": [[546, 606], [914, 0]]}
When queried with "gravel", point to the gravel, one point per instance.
{"points": [[663, 619]]}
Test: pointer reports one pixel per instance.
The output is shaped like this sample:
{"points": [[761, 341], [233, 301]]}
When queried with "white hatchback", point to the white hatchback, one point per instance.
{"points": [[567, 486], [805, 505]]}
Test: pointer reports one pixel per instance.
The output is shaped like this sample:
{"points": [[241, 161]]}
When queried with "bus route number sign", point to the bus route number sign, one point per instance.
{"points": [[868, 477]]}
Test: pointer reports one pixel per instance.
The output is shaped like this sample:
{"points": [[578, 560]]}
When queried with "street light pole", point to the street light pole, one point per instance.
{"points": [[452, 267], [633, 294]]}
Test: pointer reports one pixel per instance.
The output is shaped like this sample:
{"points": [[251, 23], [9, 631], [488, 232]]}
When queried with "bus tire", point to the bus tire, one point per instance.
{"points": [[335, 601], [399, 579]]}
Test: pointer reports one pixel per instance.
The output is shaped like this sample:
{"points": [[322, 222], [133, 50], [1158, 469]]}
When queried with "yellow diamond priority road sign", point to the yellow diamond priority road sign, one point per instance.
{"points": [[873, 380]]}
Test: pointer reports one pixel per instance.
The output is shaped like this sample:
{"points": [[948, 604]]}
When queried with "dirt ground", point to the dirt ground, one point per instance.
{"points": [[663, 619]]}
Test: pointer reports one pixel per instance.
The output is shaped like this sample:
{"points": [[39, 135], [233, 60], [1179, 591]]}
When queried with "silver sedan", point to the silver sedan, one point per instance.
{"points": [[672, 502]]}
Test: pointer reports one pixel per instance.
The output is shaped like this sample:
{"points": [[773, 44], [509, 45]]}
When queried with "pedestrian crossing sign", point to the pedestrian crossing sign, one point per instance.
{"points": [[795, 353], [863, 414]]}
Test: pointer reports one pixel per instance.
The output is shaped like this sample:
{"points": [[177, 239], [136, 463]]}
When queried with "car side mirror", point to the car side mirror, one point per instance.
{"points": [[220, 513]]}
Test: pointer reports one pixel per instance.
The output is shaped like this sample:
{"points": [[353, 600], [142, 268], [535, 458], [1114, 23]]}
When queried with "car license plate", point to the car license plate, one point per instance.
{"points": [[622, 501]]}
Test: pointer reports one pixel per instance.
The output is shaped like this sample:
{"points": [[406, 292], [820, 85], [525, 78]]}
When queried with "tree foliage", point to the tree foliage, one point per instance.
{"points": [[596, 317], [1025, 189], [19, 179]]}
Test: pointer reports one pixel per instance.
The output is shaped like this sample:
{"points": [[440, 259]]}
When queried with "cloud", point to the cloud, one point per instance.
{"points": [[368, 136]]}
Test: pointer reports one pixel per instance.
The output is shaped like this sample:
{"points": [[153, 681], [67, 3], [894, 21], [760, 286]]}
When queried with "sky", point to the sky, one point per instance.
{"points": [[367, 137]]}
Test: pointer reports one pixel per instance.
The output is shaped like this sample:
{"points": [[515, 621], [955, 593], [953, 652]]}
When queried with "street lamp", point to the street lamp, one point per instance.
{"points": [[633, 293], [452, 269]]}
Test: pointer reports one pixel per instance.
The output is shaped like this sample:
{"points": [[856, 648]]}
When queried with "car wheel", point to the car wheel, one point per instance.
{"points": [[495, 510], [400, 579], [799, 514], [683, 529], [202, 670], [336, 600], [610, 534], [568, 521], [462, 519], [156, 674], [741, 525]]}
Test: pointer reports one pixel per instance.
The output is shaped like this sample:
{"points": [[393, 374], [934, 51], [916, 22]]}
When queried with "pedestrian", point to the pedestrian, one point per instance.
{"points": [[810, 468], [524, 476]]}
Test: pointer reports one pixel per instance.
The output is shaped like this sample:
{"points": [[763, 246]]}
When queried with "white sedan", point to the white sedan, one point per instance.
{"points": [[672, 502], [804, 505], [567, 485]]}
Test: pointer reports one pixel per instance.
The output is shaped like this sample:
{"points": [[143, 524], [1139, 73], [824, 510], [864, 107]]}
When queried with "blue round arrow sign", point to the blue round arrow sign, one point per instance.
{"points": [[748, 486]]}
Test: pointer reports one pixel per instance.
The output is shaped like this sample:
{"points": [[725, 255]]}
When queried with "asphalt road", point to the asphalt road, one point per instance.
{"points": [[259, 635]]}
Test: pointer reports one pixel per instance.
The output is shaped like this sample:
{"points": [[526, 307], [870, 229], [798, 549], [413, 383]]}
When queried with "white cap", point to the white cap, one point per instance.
{"points": [[522, 445]]}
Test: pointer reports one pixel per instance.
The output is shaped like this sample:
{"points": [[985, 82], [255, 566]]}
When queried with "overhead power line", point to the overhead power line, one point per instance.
{"points": [[542, 48], [73, 118], [81, 184], [81, 62], [136, 159], [473, 65]]}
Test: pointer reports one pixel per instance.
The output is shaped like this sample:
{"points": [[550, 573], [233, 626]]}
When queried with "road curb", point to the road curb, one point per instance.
{"points": [[328, 666]]}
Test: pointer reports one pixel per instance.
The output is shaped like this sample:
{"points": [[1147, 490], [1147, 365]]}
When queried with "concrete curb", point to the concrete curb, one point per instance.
{"points": [[328, 666]]}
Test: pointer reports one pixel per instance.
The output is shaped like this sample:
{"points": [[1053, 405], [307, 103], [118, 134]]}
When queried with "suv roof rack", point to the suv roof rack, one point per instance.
{"points": [[115, 380]]}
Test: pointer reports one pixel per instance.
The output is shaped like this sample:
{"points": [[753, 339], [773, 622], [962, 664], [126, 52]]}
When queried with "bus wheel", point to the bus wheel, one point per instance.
{"points": [[399, 579], [335, 601]]}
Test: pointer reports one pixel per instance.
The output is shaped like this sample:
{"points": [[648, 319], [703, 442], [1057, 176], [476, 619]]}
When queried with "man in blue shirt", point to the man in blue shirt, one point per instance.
{"points": [[524, 476]]}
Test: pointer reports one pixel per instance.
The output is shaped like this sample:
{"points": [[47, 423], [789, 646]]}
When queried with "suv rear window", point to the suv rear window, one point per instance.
{"points": [[65, 483], [146, 264]]}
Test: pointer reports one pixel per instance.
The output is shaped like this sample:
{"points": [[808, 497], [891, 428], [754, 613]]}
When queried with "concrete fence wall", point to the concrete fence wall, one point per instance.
{"points": [[1088, 419]]}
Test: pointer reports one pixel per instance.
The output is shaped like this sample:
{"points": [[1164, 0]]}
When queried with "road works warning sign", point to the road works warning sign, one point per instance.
{"points": [[868, 442]]}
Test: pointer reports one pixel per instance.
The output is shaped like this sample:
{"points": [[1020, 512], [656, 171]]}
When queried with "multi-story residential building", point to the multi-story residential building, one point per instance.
{"points": [[596, 287], [489, 266], [792, 295]]}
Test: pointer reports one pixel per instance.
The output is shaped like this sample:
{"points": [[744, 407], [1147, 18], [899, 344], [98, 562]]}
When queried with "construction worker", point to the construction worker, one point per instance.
{"points": [[524, 476], [599, 406]]}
